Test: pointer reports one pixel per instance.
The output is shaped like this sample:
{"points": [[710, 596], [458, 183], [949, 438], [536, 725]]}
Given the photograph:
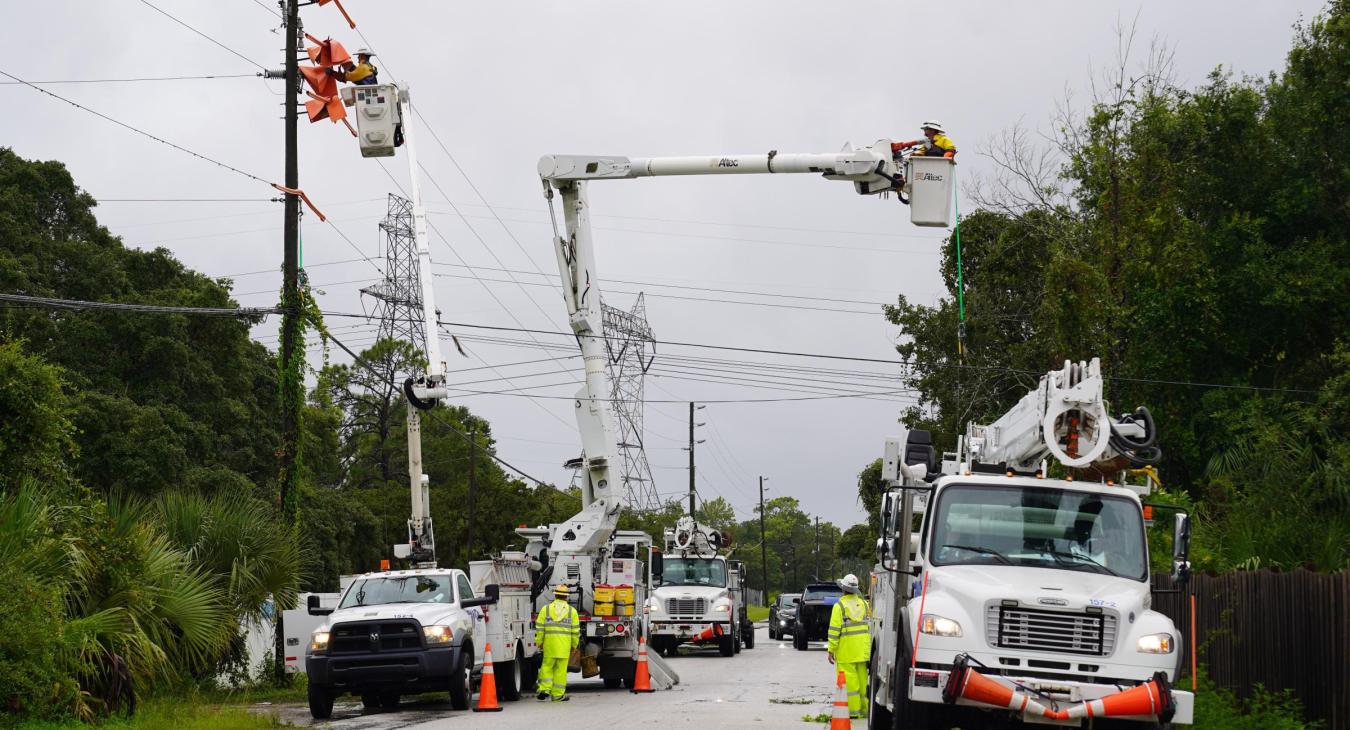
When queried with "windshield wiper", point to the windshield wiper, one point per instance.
{"points": [[982, 551], [1058, 554]]}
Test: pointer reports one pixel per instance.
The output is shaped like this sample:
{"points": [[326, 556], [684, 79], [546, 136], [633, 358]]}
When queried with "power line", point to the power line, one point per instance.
{"points": [[77, 304], [180, 200], [157, 9], [130, 80], [141, 132]]}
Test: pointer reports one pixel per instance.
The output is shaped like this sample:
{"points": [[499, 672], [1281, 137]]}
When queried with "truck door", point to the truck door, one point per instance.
{"points": [[480, 615]]}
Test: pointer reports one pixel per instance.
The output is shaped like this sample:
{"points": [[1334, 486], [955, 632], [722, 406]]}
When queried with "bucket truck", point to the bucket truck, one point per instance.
{"points": [[587, 550], [1022, 591], [427, 629], [700, 596]]}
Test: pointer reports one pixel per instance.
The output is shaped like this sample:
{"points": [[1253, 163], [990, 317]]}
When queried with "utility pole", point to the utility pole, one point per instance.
{"points": [[815, 568], [291, 349], [473, 489], [691, 458], [763, 545]]}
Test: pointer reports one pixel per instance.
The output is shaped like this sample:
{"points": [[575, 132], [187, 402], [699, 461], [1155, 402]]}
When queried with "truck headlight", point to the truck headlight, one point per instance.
{"points": [[1155, 644], [722, 607], [436, 635], [654, 605], [939, 626], [318, 641]]}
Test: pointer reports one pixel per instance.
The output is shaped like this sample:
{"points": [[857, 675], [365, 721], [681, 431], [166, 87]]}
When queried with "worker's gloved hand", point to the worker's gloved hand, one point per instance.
{"points": [[830, 657], [950, 155]]}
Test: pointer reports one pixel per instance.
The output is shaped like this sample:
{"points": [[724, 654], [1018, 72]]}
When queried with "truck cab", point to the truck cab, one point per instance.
{"points": [[399, 632], [696, 598]]}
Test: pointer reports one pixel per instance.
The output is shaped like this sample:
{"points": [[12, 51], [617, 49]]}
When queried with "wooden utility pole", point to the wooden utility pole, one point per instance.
{"points": [[815, 567], [473, 491], [763, 545], [691, 459], [291, 345]]}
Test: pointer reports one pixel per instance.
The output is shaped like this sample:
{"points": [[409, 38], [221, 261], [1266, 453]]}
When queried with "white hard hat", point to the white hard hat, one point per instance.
{"points": [[363, 52], [934, 125], [849, 583]]}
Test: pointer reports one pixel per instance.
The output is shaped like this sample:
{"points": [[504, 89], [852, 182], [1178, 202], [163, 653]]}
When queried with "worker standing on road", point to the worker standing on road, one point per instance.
{"points": [[850, 646], [362, 73], [559, 631], [935, 142]]}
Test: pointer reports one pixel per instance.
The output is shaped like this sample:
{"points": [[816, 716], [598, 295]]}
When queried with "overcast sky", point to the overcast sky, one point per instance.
{"points": [[504, 82]]}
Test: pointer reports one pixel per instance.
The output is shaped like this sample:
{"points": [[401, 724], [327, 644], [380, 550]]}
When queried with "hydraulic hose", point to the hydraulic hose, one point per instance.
{"points": [[1142, 451]]}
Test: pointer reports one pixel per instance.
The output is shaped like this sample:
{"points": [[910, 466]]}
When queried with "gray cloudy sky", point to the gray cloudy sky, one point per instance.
{"points": [[504, 82]]}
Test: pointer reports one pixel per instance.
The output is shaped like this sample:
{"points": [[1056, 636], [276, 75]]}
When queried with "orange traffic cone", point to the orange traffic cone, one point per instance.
{"points": [[712, 632], [642, 680], [487, 687], [839, 719], [966, 682], [1152, 698]]}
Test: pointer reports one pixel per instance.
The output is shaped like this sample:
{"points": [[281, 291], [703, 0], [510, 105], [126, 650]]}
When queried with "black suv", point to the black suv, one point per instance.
{"points": [[813, 613], [783, 615]]}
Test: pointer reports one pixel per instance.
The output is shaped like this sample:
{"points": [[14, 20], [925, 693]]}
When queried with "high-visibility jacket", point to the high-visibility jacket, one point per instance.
{"points": [[364, 74], [557, 629], [939, 146], [848, 637]]}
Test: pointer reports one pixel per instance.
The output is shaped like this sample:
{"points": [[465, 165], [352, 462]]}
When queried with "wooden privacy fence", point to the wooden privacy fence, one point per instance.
{"points": [[1281, 630]]}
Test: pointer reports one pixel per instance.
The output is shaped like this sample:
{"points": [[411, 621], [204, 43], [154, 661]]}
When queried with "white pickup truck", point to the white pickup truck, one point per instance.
{"points": [[415, 631]]}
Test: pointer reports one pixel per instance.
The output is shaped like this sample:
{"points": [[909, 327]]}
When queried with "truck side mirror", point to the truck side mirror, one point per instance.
{"points": [[797, 601], [313, 607], [1181, 548], [658, 564], [491, 593]]}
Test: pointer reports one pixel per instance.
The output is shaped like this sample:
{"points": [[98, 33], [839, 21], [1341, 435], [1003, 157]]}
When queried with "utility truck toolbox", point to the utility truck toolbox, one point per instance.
{"points": [[930, 181]]}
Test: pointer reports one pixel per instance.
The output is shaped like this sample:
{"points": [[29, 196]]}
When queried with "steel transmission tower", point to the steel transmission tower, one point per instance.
{"points": [[631, 351], [399, 296]]}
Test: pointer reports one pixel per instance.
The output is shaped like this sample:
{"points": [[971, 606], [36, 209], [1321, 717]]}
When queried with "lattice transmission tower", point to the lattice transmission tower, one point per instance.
{"points": [[399, 297], [631, 349]]}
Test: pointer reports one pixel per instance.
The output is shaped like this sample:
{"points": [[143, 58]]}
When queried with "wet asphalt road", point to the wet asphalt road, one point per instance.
{"points": [[770, 686]]}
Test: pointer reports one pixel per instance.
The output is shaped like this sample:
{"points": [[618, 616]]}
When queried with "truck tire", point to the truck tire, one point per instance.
{"points": [[461, 691], [370, 701], [773, 635], [906, 714], [320, 702], [878, 717], [389, 700], [613, 682], [750, 637], [529, 673], [738, 643], [799, 641], [727, 645], [509, 677]]}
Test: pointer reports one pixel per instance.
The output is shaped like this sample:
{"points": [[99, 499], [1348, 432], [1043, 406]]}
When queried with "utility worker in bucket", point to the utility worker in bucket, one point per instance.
{"points": [[850, 646], [935, 142], [558, 629], [361, 73]]}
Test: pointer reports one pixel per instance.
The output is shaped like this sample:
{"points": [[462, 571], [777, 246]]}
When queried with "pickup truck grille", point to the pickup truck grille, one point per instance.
{"points": [[365, 637], [686, 606], [1037, 630]]}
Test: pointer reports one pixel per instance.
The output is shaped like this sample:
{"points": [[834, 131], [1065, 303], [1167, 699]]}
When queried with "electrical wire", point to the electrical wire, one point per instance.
{"points": [[21, 300], [130, 80], [157, 9]]}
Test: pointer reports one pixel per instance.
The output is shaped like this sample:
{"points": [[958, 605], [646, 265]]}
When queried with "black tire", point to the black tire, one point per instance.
{"points": [[750, 637], [726, 645], [739, 644], [370, 701], [613, 682], [529, 673], [389, 700], [878, 717], [508, 677], [799, 642], [906, 714], [320, 702], [460, 677]]}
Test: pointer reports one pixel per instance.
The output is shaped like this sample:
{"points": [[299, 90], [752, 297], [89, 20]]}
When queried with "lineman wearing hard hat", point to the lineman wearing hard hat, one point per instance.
{"points": [[935, 142], [558, 629], [850, 646], [361, 73]]}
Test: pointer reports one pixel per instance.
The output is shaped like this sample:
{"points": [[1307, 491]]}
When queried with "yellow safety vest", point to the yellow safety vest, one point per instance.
{"points": [[557, 629], [848, 637], [938, 146]]}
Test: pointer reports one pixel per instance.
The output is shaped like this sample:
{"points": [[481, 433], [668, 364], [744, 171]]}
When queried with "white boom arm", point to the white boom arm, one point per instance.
{"points": [[872, 170], [1064, 417], [425, 391]]}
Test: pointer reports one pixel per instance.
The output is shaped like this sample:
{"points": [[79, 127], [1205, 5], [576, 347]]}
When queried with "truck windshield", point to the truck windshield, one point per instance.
{"points": [[694, 572], [401, 589], [1043, 528], [828, 594]]}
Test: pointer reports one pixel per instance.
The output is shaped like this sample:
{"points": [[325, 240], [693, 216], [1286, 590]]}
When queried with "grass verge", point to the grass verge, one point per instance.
{"points": [[168, 713]]}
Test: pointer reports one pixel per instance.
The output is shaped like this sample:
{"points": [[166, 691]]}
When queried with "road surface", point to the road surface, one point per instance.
{"points": [[770, 686]]}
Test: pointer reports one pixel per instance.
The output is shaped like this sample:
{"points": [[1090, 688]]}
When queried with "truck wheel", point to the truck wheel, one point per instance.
{"points": [[460, 677], [878, 717], [389, 700], [738, 643], [529, 673], [905, 713], [799, 641], [613, 682], [773, 635], [509, 677], [320, 702], [750, 637], [727, 645]]}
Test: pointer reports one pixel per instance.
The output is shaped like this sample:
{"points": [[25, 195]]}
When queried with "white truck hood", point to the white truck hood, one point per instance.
{"points": [[427, 614]]}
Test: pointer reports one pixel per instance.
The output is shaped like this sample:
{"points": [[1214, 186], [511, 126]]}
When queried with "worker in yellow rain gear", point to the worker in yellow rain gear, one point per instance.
{"points": [[361, 73], [558, 630], [935, 142], [850, 647]]}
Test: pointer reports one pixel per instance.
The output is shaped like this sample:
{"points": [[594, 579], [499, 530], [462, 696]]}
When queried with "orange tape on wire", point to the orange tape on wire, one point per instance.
{"points": [[301, 193]]}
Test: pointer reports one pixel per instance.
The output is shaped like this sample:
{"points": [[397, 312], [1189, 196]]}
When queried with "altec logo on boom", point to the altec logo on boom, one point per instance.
{"points": [[728, 162]]}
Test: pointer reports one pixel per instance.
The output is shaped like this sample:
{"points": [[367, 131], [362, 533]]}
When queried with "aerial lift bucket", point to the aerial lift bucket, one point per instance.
{"points": [[930, 181]]}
